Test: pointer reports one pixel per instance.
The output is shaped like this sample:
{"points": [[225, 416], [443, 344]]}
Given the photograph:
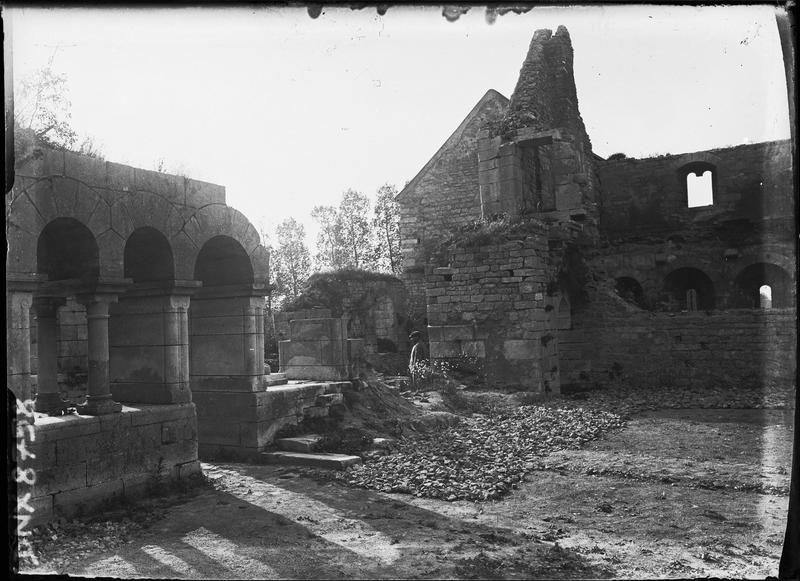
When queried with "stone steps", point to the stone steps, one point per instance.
{"points": [[274, 379], [316, 460], [306, 443]]}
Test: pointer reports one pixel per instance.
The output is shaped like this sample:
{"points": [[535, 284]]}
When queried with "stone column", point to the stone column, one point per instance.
{"points": [[98, 400], [48, 397], [176, 345], [19, 297], [18, 343]]}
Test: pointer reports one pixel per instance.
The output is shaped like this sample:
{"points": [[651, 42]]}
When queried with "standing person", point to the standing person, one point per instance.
{"points": [[416, 358]]}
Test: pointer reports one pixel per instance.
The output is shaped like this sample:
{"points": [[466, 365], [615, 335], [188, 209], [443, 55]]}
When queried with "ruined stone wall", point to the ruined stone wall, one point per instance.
{"points": [[444, 195], [82, 462], [723, 348], [752, 182], [725, 259], [492, 302], [375, 306]]}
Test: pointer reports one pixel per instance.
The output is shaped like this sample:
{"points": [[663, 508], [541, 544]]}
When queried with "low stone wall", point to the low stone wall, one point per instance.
{"points": [[80, 463], [240, 425], [681, 348]]}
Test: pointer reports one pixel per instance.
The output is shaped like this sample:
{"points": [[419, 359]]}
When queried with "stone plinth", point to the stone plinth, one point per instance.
{"points": [[320, 350]]}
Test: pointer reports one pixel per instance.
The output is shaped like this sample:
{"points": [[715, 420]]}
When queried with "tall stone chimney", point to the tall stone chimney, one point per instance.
{"points": [[538, 160]]}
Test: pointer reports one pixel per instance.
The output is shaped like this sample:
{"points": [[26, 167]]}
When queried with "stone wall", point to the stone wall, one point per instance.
{"points": [[320, 349], [240, 425], [752, 182], [374, 305], [727, 348], [73, 362], [494, 302], [443, 195], [83, 462]]}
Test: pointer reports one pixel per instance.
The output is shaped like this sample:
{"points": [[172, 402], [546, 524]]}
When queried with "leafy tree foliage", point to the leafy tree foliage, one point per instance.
{"points": [[42, 113], [329, 253], [354, 228], [386, 227], [355, 235], [291, 261]]}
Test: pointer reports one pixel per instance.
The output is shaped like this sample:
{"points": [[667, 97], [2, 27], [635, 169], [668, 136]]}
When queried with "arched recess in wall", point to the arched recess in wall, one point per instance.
{"points": [[222, 261], [749, 281], [66, 249], [699, 181], [563, 314], [226, 325], [630, 290], [148, 256], [688, 289]]}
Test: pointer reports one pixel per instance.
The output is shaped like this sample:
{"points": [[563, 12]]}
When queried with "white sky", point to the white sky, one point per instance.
{"points": [[288, 112]]}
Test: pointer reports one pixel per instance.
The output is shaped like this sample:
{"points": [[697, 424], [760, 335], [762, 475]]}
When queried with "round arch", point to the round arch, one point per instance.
{"points": [[67, 249], [629, 289], [689, 288], [751, 278], [148, 256], [223, 261]]}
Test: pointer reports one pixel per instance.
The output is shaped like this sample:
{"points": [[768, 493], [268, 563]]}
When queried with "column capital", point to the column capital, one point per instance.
{"points": [[16, 282], [47, 306], [101, 300]]}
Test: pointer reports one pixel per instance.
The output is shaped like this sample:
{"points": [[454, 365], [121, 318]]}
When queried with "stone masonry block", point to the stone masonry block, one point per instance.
{"points": [[83, 500], [458, 333], [520, 349], [473, 348]]}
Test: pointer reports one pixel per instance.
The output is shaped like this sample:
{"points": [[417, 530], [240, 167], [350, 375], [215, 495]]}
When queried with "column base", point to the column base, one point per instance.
{"points": [[99, 406], [50, 403]]}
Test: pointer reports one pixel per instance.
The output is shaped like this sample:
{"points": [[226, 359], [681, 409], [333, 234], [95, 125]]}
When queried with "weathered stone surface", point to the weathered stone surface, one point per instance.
{"points": [[319, 460]]}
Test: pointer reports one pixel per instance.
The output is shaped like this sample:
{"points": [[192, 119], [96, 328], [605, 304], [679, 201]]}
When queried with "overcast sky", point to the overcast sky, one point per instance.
{"points": [[288, 111]]}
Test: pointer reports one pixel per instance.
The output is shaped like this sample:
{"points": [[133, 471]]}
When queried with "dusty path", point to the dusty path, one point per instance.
{"points": [[648, 518]]}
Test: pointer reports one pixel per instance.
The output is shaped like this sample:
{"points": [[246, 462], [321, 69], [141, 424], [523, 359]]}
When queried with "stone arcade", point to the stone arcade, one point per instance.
{"points": [[146, 284]]}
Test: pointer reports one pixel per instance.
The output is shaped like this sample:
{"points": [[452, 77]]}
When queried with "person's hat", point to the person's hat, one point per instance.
{"points": [[415, 335]]}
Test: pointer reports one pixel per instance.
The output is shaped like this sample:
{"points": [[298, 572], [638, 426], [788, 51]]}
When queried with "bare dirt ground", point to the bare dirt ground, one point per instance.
{"points": [[675, 493]]}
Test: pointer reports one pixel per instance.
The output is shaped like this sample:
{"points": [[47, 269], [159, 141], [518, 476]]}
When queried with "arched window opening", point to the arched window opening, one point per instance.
{"points": [[699, 183], [699, 188], [66, 249], [148, 256], [223, 261], [629, 289], [564, 315], [689, 289], [765, 296], [761, 281]]}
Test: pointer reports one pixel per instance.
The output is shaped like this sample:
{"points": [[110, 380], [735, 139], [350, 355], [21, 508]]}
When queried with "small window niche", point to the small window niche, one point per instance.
{"points": [[700, 180], [765, 296]]}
